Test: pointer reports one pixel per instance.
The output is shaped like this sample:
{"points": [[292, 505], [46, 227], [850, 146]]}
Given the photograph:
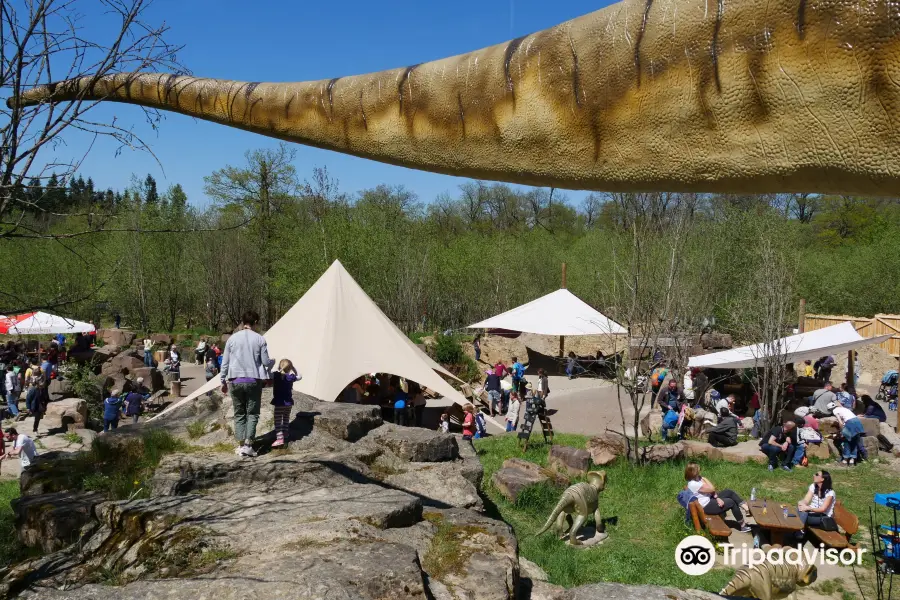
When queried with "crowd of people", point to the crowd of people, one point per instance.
{"points": [[786, 441]]}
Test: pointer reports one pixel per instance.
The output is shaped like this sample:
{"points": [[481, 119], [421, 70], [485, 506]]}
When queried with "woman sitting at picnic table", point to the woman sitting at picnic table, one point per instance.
{"points": [[715, 502], [818, 502]]}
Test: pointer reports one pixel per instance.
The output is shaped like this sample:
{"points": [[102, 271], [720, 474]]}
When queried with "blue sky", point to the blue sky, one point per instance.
{"points": [[271, 40]]}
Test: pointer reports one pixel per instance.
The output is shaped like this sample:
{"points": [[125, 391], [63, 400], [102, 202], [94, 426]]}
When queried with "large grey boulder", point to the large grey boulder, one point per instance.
{"points": [[116, 337], [60, 388], [344, 421], [572, 461], [415, 444], [606, 448], [870, 426], [437, 484], [70, 413], [512, 481], [487, 566], [53, 521]]}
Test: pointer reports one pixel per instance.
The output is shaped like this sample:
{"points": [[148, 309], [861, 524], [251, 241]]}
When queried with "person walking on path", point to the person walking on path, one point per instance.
{"points": [[476, 345], [283, 379], [12, 391], [245, 367]]}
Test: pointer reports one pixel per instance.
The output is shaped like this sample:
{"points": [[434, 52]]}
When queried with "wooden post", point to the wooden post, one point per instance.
{"points": [[851, 368], [802, 326], [562, 338]]}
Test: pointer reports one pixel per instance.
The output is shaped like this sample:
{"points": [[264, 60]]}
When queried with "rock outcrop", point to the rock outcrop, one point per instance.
{"points": [[572, 461], [367, 519]]}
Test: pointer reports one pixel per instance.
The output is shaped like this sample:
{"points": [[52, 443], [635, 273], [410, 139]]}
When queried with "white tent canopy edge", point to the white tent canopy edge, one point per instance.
{"points": [[811, 345]]}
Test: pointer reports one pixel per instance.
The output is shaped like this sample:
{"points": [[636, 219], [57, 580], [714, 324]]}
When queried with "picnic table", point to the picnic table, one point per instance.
{"points": [[769, 515]]}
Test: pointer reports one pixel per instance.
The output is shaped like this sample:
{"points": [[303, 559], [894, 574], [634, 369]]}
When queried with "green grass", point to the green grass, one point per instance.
{"points": [[640, 548], [122, 470], [196, 429], [11, 550], [73, 438]]}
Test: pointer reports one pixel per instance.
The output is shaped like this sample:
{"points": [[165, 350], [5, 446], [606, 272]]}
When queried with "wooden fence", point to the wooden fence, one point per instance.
{"points": [[877, 325]]}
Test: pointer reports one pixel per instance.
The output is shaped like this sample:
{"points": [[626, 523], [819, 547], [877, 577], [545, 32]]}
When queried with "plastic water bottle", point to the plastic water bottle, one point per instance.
{"points": [[753, 494], [756, 540], [785, 512]]}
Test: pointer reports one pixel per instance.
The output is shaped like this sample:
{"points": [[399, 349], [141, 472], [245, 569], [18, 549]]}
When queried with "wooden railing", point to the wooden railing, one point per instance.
{"points": [[867, 327]]}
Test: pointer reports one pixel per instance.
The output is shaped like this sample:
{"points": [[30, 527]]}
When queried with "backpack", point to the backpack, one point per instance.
{"points": [[399, 404], [480, 423], [520, 371]]}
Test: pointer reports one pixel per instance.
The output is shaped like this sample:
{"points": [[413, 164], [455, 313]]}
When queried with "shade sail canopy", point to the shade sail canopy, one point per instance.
{"points": [[41, 323], [558, 313], [336, 333], [811, 345]]}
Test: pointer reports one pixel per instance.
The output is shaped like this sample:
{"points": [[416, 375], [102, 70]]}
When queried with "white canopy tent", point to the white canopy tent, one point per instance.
{"points": [[41, 323], [336, 333], [811, 345], [558, 313]]}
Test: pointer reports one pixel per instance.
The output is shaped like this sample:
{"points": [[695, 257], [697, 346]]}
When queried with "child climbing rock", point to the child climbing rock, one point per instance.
{"points": [[283, 379]]}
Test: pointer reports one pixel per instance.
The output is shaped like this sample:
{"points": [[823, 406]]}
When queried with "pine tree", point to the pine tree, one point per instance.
{"points": [[151, 196]]}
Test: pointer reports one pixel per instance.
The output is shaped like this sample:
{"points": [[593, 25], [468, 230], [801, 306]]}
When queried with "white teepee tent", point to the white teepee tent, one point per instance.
{"points": [[335, 333]]}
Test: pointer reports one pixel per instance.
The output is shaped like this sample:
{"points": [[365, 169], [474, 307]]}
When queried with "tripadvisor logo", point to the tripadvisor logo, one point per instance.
{"points": [[696, 555]]}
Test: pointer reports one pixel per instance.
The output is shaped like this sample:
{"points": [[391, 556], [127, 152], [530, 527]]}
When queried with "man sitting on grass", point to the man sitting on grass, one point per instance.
{"points": [[782, 443]]}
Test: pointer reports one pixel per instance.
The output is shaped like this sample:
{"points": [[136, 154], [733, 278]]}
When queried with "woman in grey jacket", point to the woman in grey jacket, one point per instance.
{"points": [[246, 368]]}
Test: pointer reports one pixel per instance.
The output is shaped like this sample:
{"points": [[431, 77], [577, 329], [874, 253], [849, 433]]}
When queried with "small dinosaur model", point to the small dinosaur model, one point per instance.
{"points": [[582, 500], [770, 582]]}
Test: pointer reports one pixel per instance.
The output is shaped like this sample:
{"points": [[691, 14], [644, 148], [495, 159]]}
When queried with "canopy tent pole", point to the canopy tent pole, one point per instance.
{"points": [[562, 338], [851, 369], [801, 326]]}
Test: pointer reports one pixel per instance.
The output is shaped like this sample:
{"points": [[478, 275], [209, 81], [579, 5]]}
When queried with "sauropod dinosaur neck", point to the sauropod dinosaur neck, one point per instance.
{"points": [[745, 96]]}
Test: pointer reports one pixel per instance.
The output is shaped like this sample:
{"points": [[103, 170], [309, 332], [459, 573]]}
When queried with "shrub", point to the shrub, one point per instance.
{"points": [[447, 350], [122, 470]]}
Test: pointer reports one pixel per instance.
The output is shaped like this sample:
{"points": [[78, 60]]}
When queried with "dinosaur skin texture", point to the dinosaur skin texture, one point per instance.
{"points": [[749, 96], [770, 582], [582, 500]]}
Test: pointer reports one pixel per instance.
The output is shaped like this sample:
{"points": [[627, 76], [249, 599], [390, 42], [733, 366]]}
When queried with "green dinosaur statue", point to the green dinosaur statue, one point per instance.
{"points": [[770, 582], [677, 95], [581, 499]]}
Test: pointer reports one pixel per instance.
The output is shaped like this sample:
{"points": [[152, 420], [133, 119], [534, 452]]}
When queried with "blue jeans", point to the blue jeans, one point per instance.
{"points": [[30, 399], [477, 353], [852, 432], [792, 456], [148, 358], [12, 401], [110, 424], [574, 370], [510, 426]]}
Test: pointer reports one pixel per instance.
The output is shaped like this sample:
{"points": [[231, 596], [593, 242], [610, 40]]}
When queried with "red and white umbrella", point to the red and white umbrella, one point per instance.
{"points": [[40, 323]]}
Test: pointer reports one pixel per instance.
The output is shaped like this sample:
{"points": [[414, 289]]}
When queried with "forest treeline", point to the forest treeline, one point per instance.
{"points": [[431, 263]]}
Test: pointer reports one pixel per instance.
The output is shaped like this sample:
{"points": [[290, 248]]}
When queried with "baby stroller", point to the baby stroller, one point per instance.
{"points": [[888, 390]]}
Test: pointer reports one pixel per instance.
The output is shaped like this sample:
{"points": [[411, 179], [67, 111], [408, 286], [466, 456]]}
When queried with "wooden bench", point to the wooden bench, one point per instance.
{"points": [[712, 523], [847, 521]]}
